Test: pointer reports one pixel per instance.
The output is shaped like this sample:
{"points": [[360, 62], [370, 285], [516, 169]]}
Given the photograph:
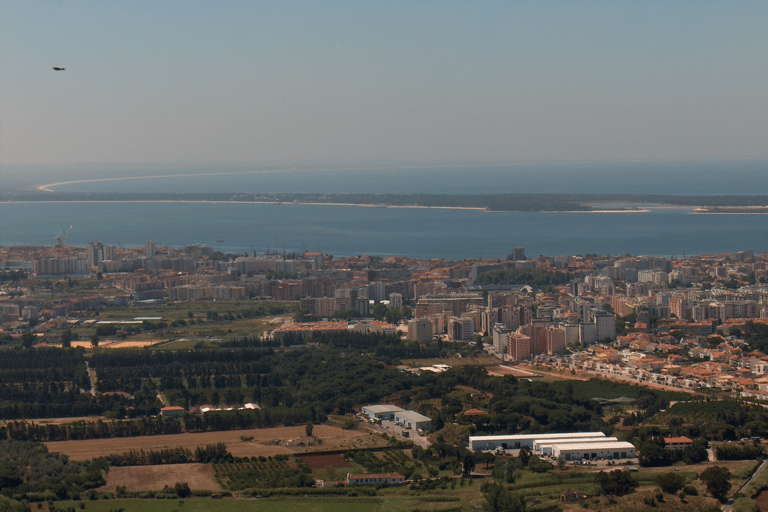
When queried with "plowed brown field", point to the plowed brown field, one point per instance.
{"points": [[154, 478], [324, 461], [262, 444]]}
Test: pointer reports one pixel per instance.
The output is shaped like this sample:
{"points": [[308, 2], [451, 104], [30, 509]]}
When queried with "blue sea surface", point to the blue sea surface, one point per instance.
{"points": [[350, 230], [415, 232]]}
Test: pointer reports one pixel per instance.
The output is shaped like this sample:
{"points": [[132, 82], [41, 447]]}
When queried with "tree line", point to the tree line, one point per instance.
{"points": [[179, 455]]}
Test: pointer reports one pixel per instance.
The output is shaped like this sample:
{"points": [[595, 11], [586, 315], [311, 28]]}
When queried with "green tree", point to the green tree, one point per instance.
{"points": [[9, 505], [379, 311], [28, 339], [66, 339], [469, 464], [309, 428], [182, 489], [617, 482], [670, 482], [500, 499], [717, 480], [299, 315]]}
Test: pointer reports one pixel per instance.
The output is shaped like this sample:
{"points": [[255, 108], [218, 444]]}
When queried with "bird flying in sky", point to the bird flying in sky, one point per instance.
{"points": [[59, 69]]}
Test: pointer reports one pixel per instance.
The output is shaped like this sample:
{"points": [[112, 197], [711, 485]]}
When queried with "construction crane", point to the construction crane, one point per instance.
{"points": [[61, 237], [254, 250], [305, 246], [271, 246]]}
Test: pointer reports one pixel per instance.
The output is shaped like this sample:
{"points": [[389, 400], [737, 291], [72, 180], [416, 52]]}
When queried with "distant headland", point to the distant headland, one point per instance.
{"points": [[725, 204]]}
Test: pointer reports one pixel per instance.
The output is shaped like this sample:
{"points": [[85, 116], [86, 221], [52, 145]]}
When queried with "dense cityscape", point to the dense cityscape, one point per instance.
{"points": [[682, 329]]}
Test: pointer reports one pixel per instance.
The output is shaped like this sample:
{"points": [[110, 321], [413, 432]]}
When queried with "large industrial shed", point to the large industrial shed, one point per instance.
{"points": [[591, 451], [477, 443], [544, 446], [381, 412], [413, 420]]}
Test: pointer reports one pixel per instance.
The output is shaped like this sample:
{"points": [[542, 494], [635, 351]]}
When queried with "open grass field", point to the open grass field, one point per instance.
{"points": [[234, 319], [332, 438], [153, 478]]}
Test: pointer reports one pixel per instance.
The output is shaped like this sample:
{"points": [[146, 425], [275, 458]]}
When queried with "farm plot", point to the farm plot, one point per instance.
{"points": [[329, 467], [227, 505], [241, 473], [262, 443], [323, 461], [154, 478]]}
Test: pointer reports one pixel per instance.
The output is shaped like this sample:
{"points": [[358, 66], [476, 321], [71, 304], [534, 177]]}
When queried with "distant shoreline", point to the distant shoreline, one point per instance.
{"points": [[509, 202], [696, 210]]}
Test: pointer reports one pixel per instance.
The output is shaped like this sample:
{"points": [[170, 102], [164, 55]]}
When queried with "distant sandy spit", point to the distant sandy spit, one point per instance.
{"points": [[358, 205], [731, 210]]}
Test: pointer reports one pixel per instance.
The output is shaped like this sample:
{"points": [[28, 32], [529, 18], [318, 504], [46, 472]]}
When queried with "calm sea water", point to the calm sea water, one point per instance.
{"points": [[420, 233], [348, 230]]}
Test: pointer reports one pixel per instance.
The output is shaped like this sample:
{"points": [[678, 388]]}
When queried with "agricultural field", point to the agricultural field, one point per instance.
{"points": [[261, 444], [698, 413], [262, 473], [230, 505], [245, 478], [149, 478]]}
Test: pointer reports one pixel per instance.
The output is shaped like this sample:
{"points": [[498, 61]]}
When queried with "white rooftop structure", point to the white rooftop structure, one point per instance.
{"points": [[382, 412], [590, 451], [544, 447], [413, 420], [521, 440]]}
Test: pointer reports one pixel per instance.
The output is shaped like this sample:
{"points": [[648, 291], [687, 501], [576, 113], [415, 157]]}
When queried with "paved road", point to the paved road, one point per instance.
{"points": [[728, 507]]}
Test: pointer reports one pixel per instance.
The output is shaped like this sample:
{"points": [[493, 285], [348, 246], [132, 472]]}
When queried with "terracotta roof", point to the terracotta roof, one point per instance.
{"points": [[677, 440]]}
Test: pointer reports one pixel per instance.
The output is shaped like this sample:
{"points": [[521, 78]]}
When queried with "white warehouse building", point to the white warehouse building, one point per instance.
{"points": [[381, 412], [591, 451], [413, 420], [545, 446], [477, 443]]}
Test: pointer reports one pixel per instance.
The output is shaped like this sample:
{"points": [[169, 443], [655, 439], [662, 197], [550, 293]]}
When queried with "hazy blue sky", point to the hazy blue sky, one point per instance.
{"points": [[415, 81]]}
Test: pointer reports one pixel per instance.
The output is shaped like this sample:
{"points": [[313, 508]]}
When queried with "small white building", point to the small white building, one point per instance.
{"points": [[171, 411], [523, 440], [591, 451]]}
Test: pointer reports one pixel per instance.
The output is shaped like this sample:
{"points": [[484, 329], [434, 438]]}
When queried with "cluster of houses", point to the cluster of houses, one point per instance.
{"points": [[682, 364]]}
